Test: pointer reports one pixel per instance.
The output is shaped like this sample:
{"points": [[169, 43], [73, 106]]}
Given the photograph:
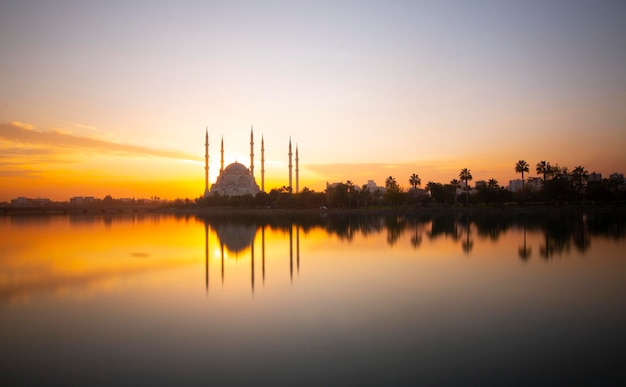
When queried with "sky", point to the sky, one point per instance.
{"points": [[114, 98]]}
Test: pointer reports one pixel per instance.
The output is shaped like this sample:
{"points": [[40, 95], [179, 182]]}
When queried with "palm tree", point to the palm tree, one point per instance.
{"points": [[415, 180], [390, 182], [521, 167], [492, 184], [466, 176], [394, 194], [350, 186], [543, 168], [579, 179]]}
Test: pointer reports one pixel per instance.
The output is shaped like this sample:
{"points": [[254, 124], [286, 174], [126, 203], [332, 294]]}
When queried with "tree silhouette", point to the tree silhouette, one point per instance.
{"points": [[466, 176], [543, 168], [415, 180], [455, 184], [579, 178], [350, 188], [520, 167], [394, 192], [378, 194]]}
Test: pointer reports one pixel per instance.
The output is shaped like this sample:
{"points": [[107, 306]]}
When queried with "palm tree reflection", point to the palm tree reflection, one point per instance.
{"points": [[524, 252]]}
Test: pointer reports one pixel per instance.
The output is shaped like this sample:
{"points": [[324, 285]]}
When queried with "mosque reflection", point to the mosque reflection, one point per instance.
{"points": [[558, 231], [238, 237]]}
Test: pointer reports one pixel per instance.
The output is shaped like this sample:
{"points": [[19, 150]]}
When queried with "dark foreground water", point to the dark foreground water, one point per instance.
{"points": [[452, 299]]}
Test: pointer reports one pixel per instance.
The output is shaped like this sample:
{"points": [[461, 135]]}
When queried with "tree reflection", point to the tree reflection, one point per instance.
{"points": [[560, 229], [416, 238], [467, 243], [524, 251]]}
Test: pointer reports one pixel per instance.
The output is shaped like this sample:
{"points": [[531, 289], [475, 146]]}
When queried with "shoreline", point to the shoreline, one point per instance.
{"points": [[375, 211]]}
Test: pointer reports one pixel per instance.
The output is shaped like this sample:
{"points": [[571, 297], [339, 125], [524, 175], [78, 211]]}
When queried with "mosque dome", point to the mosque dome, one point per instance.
{"points": [[236, 237], [235, 180]]}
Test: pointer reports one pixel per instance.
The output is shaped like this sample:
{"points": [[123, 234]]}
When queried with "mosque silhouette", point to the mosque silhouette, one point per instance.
{"points": [[238, 180]]}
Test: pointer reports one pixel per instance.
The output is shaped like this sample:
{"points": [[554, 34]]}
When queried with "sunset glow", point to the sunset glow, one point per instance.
{"points": [[114, 98]]}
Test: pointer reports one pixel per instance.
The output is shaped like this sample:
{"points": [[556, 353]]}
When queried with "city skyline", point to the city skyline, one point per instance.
{"points": [[99, 99]]}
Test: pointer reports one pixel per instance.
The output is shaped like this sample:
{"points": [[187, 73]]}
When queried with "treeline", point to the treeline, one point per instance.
{"points": [[557, 185]]}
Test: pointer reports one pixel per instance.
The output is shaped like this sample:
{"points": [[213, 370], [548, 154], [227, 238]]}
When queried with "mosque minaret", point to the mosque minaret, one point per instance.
{"points": [[262, 164], [290, 167], [237, 180], [297, 171], [222, 160], [206, 163], [251, 152]]}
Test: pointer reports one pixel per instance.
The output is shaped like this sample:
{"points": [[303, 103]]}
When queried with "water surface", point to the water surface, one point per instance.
{"points": [[449, 299]]}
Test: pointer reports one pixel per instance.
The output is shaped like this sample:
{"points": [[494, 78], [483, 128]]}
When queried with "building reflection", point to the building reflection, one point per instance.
{"points": [[552, 233], [239, 238]]}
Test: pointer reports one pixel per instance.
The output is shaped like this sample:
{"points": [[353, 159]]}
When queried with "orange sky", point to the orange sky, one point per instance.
{"points": [[93, 102]]}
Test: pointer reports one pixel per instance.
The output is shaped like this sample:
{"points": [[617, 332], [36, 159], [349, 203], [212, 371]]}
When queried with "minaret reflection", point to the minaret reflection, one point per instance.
{"points": [[206, 255], [222, 251], [291, 252], [263, 251], [252, 265], [237, 238]]}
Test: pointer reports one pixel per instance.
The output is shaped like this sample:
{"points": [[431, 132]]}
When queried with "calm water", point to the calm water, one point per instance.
{"points": [[446, 300]]}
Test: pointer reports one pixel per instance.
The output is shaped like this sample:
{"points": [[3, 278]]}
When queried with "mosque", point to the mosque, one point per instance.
{"points": [[238, 180]]}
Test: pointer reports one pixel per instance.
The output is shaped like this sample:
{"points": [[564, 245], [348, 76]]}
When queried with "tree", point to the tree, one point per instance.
{"points": [[437, 191], [338, 195], [492, 184], [520, 167], [466, 176], [394, 193], [455, 185], [365, 194], [378, 194], [350, 188], [579, 179], [415, 180], [543, 168], [391, 181]]}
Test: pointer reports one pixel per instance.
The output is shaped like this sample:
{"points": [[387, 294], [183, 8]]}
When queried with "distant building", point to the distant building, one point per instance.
{"points": [[27, 202], [81, 201], [516, 185], [616, 176], [76, 201], [372, 187], [532, 184], [481, 184], [595, 176]]}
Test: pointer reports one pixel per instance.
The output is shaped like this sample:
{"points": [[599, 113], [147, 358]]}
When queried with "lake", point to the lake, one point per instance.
{"points": [[450, 298]]}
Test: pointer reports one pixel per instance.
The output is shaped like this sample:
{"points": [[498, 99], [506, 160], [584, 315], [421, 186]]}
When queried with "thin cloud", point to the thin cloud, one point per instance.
{"points": [[24, 134]]}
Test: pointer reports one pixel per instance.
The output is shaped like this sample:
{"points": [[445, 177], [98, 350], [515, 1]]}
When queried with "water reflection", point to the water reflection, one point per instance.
{"points": [[60, 254], [163, 299], [238, 236], [560, 230]]}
